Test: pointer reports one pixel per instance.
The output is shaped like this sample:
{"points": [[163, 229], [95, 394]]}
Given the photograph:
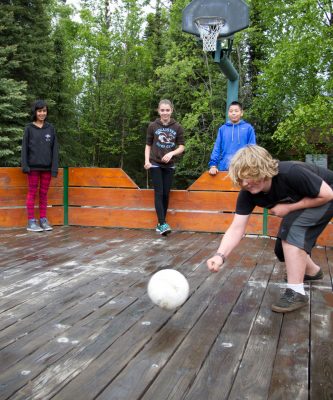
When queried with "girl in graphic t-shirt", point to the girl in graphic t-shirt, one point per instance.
{"points": [[165, 140]]}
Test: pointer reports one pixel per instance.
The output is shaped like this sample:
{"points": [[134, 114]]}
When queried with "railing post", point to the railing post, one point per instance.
{"points": [[65, 187], [265, 222]]}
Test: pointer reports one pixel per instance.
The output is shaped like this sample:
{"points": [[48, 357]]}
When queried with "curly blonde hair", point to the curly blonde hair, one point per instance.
{"points": [[252, 162]]}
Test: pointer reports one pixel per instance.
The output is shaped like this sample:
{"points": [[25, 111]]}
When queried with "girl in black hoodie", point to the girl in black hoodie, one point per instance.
{"points": [[39, 160]]}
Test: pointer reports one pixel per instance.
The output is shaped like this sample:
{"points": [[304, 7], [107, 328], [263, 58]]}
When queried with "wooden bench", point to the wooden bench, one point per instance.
{"points": [[108, 197]]}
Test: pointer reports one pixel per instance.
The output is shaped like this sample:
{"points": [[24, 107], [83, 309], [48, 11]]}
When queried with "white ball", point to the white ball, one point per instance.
{"points": [[168, 289]]}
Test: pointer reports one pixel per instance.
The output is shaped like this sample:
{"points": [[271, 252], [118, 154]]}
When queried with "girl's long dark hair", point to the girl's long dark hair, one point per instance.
{"points": [[37, 105]]}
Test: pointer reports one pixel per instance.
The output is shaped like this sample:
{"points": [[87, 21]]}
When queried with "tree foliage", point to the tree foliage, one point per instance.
{"points": [[104, 74], [12, 92]]}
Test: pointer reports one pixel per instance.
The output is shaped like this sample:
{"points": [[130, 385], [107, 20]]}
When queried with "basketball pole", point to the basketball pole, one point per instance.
{"points": [[222, 58]]}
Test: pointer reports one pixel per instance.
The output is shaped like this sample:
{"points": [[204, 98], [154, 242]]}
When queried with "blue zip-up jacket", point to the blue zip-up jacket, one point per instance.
{"points": [[230, 138]]}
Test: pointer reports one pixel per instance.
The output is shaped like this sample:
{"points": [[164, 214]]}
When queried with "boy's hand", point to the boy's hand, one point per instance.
{"points": [[215, 263], [213, 170], [280, 210]]}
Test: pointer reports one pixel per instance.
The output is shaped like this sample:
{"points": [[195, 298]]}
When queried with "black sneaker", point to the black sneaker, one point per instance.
{"points": [[309, 278], [319, 275], [290, 301]]}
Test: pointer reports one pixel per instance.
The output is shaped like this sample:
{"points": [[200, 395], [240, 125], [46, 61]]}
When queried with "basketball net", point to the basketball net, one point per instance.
{"points": [[209, 32]]}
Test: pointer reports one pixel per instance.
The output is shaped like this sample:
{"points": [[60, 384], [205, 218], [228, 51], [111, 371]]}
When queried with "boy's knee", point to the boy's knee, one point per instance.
{"points": [[278, 250]]}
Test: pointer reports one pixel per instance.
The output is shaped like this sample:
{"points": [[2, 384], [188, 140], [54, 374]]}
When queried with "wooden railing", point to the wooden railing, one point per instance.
{"points": [[108, 197], [13, 191]]}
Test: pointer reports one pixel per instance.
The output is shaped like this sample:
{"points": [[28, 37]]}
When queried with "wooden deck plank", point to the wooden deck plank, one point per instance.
{"points": [[215, 379], [291, 365], [76, 321], [160, 350], [36, 357], [251, 381], [109, 363], [321, 383]]}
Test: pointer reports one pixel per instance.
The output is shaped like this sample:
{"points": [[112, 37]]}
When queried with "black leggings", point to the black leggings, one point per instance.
{"points": [[162, 181]]}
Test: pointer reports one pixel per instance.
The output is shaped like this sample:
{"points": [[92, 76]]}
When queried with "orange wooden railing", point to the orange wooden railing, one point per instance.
{"points": [[108, 197]]}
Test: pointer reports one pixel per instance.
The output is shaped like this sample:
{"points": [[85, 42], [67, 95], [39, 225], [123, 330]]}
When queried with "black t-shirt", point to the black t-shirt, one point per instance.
{"points": [[163, 139], [294, 181]]}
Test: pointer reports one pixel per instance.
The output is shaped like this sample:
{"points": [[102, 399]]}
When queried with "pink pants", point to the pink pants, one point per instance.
{"points": [[44, 179]]}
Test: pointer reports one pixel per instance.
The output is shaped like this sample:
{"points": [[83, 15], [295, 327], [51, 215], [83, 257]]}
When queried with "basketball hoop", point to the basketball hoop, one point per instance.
{"points": [[209, 29]]}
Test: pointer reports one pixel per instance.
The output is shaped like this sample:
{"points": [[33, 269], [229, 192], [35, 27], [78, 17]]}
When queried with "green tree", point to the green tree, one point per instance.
{"points": [[34, 46], [12, 93], [116, 89], [297, 74], [65, 85]]}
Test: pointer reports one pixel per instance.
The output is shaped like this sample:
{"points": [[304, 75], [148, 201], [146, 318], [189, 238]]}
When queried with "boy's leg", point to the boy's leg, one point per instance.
{"points": [[156, 175], [311, 268], [301, 228], [295, 259], [45, 179], [298, 233], [33, 179]]}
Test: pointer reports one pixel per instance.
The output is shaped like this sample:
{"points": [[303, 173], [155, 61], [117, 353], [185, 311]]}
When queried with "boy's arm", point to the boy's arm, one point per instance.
{"points": [[251, 136], [324, 196], [216, 153], [230, 240]]}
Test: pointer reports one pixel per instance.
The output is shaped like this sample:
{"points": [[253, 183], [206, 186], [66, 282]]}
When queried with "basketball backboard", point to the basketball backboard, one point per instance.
{"points": [[234, 13]]}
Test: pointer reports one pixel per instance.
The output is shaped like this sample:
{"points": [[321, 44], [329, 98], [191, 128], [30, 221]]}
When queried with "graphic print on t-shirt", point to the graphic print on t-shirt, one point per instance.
{"points": [[166, 138]]}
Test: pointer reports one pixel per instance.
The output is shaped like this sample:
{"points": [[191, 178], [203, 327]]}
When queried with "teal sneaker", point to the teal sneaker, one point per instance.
{"points": [[163, 229]]}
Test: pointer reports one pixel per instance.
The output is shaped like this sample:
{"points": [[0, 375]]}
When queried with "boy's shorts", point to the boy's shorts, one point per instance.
{"points": [[301, 228]]}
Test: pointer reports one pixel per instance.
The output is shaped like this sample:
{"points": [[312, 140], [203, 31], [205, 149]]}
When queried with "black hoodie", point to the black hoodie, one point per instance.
{"points": [[40, 149], [163, 139]]}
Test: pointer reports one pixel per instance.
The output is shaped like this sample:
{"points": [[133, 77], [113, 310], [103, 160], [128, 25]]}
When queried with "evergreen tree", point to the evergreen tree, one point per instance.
{"points": [[12, 92], [65, 84], [35, 50], [296, 76], [116, 87]]}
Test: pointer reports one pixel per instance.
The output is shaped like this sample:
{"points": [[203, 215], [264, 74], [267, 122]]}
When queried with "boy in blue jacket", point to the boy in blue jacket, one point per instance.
{"points": [[232, 136]]}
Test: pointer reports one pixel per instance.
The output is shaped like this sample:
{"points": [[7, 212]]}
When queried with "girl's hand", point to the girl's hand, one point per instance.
{"points": [[167, 157], [147, 165]]}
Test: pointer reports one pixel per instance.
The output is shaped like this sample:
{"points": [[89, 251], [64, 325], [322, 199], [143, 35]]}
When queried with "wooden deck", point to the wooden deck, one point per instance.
{"points": [[77, 324]]}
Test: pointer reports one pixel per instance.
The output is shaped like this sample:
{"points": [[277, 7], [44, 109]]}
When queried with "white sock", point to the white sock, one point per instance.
{"points": [[296, 287]]}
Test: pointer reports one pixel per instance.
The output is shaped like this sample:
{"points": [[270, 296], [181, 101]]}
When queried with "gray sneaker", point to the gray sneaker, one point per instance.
{"points": [[33, 226], [290, 301], [44, 223]]}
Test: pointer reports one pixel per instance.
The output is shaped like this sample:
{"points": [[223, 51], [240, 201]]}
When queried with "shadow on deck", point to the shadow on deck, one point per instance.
{"points": [[76, 322]]}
